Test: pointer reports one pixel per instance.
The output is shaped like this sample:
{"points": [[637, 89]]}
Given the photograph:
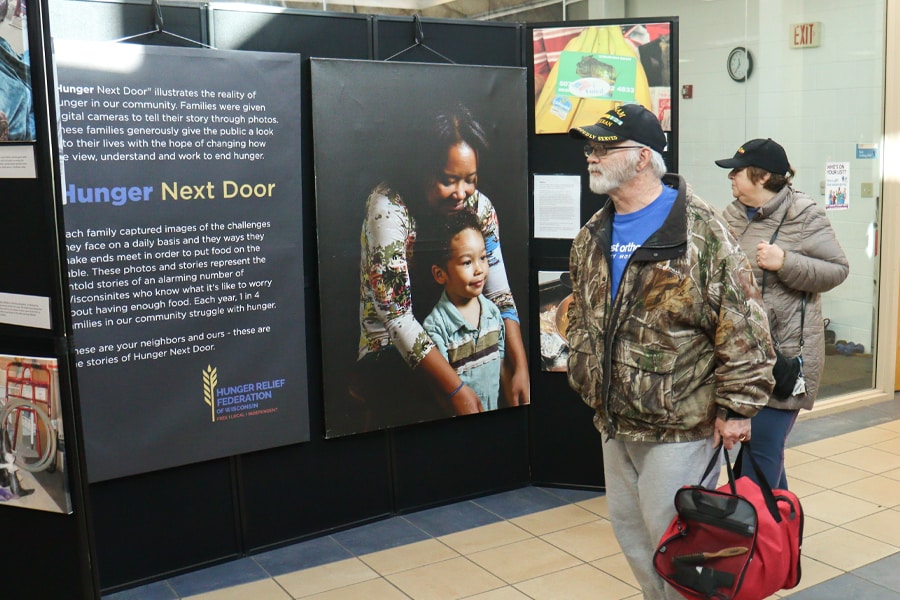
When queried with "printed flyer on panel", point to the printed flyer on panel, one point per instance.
{"points": [[183, 244]]}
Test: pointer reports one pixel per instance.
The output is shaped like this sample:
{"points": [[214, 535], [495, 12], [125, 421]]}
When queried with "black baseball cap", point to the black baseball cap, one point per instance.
{"points": [[763, 153], [627, 122]]}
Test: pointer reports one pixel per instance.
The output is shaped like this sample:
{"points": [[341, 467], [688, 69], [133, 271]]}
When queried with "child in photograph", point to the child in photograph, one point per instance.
{"points": [[466, 327]]}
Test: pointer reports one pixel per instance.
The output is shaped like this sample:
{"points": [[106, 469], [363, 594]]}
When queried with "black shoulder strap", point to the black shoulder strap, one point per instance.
{"points": [[765, 272], [772, 241]]}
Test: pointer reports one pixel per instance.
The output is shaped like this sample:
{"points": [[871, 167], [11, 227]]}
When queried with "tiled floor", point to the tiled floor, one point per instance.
{"points": [[545, 543]]}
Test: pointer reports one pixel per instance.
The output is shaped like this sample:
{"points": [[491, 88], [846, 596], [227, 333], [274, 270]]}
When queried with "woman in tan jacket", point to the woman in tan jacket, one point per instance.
{"points": [[796, 257]]}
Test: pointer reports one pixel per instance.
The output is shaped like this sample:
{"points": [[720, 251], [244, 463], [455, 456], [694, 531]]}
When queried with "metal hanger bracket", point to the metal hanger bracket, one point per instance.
{"points": [[159, 27], [419, 42]]}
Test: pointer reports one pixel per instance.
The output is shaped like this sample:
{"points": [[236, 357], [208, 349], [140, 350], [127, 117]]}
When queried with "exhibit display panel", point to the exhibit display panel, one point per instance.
{"points": [[42, 480], [183, 243], [574, 70], [320, 482]]}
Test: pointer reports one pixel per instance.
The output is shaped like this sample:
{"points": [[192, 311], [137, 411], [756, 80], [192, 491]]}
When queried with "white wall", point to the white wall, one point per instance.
{"points": [[817, 102]]}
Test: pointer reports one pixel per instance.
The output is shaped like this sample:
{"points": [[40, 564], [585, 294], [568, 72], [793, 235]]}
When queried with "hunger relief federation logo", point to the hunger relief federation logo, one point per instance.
{"points": [[210, 379], [250, 399]]}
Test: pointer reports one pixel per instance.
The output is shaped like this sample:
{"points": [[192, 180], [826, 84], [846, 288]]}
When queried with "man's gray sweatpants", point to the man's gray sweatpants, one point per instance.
{"points": [[641, 481]]}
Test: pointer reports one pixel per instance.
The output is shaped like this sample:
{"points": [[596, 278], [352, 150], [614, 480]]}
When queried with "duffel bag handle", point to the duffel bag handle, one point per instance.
{"points": [[714, 462], [771, 502]]}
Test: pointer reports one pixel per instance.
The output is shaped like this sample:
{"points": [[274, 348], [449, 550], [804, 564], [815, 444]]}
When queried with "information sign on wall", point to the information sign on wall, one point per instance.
{"points": [[183, 248]]}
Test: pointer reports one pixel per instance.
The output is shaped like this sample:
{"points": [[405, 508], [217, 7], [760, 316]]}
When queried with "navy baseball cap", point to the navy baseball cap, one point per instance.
{"points": [[627, 122], [763, 153]]}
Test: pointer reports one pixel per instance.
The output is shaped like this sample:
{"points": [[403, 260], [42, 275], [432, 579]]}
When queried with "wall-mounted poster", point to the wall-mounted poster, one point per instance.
{"points": [[32, 441], [837, 186], [581, 72], [554, 297], [421, 171], [183, 243]]}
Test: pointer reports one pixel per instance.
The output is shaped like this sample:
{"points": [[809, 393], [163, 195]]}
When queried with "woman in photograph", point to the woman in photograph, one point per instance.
{"points": [[397, 359], [796, 257]]}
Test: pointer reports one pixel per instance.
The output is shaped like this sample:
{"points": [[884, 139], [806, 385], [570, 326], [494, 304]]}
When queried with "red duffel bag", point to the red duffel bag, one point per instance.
{"points": [[738, 542]]}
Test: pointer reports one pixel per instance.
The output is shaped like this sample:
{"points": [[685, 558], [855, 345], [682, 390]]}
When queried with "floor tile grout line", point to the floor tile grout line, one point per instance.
{"points": [[873, 582], [583, 562], [281, 587]]}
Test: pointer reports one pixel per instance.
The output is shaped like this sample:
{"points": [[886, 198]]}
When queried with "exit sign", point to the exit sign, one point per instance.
{"points": [[806, 35]]}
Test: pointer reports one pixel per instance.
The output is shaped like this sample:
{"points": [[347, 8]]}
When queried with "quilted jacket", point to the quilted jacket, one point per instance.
{"points": [[685, 334], [814, 263]]}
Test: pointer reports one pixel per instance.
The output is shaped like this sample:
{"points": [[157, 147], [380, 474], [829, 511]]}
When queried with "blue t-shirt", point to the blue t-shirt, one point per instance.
{"points": [[631, 230]]}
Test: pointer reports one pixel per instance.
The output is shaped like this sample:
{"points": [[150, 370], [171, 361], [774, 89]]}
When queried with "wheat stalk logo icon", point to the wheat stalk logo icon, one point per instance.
{"points": [[210, 379]]}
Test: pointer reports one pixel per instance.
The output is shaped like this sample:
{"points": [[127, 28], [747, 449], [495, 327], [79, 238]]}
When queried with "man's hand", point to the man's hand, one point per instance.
{"points": [[731, 432]]}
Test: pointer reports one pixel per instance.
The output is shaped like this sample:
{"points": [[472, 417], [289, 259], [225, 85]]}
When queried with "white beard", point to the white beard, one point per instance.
{"points": [[613, 173]]}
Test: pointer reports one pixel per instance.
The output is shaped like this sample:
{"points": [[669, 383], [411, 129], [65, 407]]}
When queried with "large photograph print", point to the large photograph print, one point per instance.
{"points": [[420, 174], [581, 72], [32, 441], [184, 252], [554, 298], [16, 105]]}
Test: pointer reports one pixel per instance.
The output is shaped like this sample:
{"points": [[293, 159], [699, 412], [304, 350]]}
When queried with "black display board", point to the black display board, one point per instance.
{"points": [[273, 497], [31, 267], [448, 445], [183, 247], [565, 446]]}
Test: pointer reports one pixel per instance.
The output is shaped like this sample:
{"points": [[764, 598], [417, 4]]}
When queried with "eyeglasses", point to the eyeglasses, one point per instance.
{"points": [[602, 151]]}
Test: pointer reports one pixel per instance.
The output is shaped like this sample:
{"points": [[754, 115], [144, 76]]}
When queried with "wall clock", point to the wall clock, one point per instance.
{"points": [[740, 64]]}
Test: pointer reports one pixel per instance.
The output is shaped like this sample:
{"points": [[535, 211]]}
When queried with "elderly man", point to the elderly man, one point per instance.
{"points": [[668, 337]]}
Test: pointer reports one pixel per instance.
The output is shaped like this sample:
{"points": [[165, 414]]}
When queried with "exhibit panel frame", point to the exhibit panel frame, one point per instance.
{"points": [[32, 271]]}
